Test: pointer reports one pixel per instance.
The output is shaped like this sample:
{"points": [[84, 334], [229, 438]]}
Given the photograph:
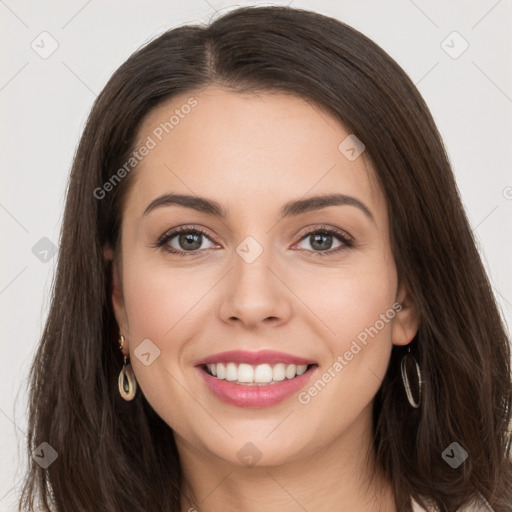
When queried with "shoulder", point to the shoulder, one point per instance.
{"points": [[480, 505]]}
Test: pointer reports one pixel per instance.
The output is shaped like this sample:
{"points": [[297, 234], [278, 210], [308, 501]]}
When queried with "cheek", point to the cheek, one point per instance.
{"points": [[159, 299], [357, 306], [162, 306], [360, 309], [349, 299]]}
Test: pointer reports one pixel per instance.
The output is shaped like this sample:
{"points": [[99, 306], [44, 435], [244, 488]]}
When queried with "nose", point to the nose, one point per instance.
{"points": [[255, 293]]}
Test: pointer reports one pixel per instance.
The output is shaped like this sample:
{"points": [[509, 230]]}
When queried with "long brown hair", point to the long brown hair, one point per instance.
{"points": [[115, 455]]}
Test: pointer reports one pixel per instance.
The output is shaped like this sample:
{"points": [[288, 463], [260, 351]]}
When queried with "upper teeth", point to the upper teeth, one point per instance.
{"points": [[261, 373]]}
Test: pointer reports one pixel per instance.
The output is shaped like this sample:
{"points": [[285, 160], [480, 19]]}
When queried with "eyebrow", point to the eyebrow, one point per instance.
{"points": [[290, 209]]}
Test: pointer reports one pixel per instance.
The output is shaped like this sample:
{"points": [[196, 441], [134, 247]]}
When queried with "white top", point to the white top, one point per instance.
{"points": [[480, 506]]}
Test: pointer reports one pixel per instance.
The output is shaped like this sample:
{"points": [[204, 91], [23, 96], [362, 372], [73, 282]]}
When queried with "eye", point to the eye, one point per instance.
{"points": [[321, 240], [189, 241], [183, 240]]}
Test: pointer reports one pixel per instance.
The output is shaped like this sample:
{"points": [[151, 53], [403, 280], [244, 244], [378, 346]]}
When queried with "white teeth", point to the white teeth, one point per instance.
{"points": [[221, 371], [263, 373], [301, 369], [245, 373], [231, 372], [259, 374], [278, 372], [291, 371]]}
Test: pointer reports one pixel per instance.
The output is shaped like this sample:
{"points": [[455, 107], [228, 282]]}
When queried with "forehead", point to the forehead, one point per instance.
{"points": [[246, 150]]}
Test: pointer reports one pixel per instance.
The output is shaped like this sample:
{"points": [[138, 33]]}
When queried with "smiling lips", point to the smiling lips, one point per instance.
{"points": [[254, 379], [254, 358]]}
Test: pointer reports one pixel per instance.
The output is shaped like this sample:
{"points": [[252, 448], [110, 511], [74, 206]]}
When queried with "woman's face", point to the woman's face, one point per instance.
{"points": [[313, 281]]}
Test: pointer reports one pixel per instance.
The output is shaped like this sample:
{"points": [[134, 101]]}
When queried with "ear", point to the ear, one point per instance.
{"points": [[406, 321], [117, 296]]}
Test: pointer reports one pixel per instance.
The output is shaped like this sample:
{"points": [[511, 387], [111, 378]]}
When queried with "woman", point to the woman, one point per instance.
{"points": [[328, 340]]}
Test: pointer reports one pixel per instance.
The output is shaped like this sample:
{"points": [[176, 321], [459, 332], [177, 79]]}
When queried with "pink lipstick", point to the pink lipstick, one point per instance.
{"points": [[255, 379]]}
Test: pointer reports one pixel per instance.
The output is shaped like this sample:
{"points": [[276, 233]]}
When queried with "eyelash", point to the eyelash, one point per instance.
{"points": [[346, 240]]}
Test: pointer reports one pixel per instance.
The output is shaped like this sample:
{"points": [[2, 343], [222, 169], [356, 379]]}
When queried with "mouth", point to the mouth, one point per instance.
{"points": [[245, 378], [255, 375]]}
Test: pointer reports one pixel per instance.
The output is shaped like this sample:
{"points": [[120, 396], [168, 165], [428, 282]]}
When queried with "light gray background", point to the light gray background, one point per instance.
{"points": [[45, 103]]}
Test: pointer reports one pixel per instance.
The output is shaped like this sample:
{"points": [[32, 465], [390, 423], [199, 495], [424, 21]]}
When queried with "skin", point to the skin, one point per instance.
{"points": [[253, 153]]}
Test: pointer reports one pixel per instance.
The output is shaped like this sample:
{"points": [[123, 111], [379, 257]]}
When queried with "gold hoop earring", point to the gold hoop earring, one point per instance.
{"points": [[405, 380], [127, 382]]}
